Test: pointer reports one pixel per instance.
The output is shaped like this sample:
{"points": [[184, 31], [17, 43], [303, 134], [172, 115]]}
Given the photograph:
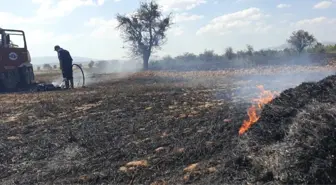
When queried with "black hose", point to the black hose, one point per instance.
{"points": [[83, 85]]}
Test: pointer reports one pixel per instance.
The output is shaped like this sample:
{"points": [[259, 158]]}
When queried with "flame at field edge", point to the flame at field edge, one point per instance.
{"points": [[252, 112]]}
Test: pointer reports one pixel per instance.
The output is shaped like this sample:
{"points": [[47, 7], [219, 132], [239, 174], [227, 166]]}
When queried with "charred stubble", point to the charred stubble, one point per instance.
{"points": [[175, 130]]}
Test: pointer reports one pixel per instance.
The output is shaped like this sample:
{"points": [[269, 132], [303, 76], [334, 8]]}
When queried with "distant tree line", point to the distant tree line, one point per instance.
{"points": [[145, 31], [304, 50], [92, 64], [100, 63], [49, 67]]}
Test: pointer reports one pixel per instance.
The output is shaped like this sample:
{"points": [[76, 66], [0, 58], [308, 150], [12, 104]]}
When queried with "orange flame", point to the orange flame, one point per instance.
{"points": [[252, 112]]}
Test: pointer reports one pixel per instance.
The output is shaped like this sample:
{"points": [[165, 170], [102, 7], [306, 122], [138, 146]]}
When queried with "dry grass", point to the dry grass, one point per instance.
{"points": [[148, 128], [294, 141]]}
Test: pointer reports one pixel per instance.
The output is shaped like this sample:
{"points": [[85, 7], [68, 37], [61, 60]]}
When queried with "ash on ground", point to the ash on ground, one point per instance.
{"points": [[294, 141], [177, 132]]}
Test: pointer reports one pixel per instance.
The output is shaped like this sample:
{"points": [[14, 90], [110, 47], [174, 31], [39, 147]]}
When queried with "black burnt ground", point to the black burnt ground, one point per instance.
{"points": [[295, 138], [181, 131], [87, 136]]}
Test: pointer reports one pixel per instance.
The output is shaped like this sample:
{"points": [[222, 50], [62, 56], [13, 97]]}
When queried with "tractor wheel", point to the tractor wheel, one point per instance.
{"points": [[11, 80], [26, 76], [30, 75]]}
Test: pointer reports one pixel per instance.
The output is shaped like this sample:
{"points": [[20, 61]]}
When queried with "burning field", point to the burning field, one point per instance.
{"points": [[229, 127]]}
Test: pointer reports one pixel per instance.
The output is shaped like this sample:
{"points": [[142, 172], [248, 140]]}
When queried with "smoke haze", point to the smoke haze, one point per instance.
{"points": [[106, 71]]}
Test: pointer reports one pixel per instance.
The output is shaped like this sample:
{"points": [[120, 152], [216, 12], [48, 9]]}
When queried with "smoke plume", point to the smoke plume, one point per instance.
{"points": [[102, 71]]}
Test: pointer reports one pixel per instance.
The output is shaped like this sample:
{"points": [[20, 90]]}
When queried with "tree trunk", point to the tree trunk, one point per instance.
{"points": [[145, 56]]}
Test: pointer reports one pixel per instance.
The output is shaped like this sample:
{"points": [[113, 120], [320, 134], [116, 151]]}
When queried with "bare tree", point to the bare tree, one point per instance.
{"points": [[144, 30], [300, 40], [208, 56], [186, 57], [250, 50], [229, 54], [91, 64], [102, 64], [47, 67], [319, 48]]}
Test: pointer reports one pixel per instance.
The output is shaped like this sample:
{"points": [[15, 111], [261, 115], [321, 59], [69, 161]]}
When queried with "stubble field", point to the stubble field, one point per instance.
{"points": [[172, 128]]}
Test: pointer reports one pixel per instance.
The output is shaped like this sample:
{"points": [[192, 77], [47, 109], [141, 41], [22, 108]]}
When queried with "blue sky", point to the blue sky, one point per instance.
{"points": [[87, 27]]}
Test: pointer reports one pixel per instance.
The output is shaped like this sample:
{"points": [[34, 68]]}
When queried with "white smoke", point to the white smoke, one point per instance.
{"points": [[102, 71]]}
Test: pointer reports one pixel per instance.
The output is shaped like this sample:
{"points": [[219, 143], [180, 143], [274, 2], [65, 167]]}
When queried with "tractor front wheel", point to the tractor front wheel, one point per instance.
{"points": [[26, 76], [10, 79]]}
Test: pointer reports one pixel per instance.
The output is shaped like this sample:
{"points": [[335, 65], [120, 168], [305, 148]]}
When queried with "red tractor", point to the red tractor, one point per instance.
{"points": [[16, 70]]}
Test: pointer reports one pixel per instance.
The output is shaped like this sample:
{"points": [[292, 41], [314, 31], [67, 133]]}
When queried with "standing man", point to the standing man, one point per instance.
{"points": [[65, 60]]}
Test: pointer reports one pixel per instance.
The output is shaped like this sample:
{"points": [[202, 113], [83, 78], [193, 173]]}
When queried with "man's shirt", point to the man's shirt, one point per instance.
{"points": [[64, 58]]}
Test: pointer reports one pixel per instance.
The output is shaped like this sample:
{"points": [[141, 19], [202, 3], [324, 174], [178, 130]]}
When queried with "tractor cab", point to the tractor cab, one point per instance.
{"points": [[15, 63], [5, 41], [13, 41]]}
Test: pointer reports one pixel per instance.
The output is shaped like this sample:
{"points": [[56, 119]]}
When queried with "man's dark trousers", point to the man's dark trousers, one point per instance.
{"points": [[66, 65], [67, 72]]}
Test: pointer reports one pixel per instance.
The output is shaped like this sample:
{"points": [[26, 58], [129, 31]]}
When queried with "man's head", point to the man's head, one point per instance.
{"points": [[57, 47]]}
